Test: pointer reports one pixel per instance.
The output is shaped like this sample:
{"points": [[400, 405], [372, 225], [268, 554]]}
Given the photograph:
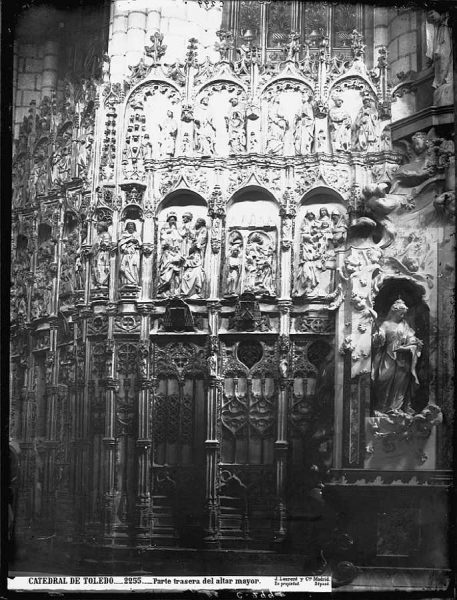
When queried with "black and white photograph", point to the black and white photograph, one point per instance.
{"points": [[231, 315]]}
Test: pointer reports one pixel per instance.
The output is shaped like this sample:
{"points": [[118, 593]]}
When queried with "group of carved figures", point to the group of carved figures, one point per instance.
{"points": [[319, 235], [253, 270], [286, 134], [182, 256], [299, 134], [129, 246]]}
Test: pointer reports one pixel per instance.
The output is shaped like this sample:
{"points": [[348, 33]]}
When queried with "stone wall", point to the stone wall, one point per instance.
{"points": [[132, 24]]}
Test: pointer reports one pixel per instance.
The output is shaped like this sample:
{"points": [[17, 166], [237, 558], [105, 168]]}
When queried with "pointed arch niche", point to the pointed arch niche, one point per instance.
{"points": [[320, 231], [251, 243], [183, 251]]}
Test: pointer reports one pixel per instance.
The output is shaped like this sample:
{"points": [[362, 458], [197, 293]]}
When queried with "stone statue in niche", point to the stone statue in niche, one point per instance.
{"points": [[259, 264], [129, 248], [339, 125], [236, 128], [304, 128], [396, 351], [101, 255], [146, 147], [439, 51], [171, 258], [169, 131], [234, 264], [365, 129], [277, 129], [205, 129], [193, 277], [307, 278]]}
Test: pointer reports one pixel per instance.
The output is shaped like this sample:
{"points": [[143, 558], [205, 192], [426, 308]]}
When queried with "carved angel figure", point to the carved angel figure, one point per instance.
{"points": [[396, 353]]}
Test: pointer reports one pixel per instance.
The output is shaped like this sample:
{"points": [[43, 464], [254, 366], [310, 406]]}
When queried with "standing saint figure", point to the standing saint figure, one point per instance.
{"points": [[307, 277], [186, 231], [234, 269], [304, 128], [235, 128], [129, 248], [439, 51], [193, 276], [340, 126], [277, 130], [170, 268], [169, 232], [206, 130], [365, 129], [100, 253], [396, 351], [169, 131]]}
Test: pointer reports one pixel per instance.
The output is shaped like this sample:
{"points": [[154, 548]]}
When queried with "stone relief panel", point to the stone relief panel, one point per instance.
{"points": [[151, 128], [288, 123], [182, 262], [353, 118], [219, 120], [251, 247], [321, 232]]}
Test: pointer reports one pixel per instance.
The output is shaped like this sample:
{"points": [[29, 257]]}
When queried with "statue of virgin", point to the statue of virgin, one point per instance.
{"points": [[396, 351]]}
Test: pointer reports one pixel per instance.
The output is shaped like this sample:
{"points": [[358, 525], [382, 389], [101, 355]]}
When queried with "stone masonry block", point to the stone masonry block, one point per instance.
{"points": [[26, 81], [29, 95], [407, 44], [120, 24], [401, 25], [137, 20], [33, 65], [402, 64]]}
